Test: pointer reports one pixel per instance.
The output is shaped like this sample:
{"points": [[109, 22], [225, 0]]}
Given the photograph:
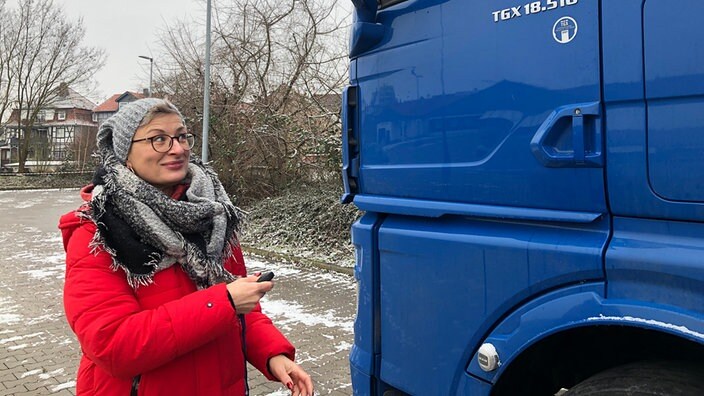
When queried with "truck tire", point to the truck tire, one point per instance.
{"points": [[662, 378]]}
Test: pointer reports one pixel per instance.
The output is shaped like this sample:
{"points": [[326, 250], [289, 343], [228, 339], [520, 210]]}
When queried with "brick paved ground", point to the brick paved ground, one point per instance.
{"points": [[39, 353]]}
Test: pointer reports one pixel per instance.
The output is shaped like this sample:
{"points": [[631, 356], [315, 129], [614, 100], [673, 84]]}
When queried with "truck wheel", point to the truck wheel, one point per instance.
{"points": [[663, 378]]}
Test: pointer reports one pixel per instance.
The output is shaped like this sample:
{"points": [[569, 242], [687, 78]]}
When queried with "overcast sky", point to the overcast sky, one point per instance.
{"points": [[127, 29]]}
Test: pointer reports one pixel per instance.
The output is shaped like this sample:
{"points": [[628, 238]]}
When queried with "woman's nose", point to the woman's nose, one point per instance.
{"points": [[176, 147]]}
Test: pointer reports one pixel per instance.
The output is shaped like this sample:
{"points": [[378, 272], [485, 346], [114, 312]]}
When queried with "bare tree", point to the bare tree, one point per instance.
{"points": [[275, 67], [46, 55], [80, 152], [8, 45]]}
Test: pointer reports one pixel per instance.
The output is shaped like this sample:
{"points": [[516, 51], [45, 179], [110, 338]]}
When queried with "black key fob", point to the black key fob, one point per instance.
{"points": [[266, 277]]}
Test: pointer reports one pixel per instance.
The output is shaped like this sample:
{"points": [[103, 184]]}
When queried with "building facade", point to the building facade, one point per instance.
{"points": [[61, 133]]}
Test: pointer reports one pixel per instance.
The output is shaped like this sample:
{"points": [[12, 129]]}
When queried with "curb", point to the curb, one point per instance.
{"points": [[30, 174], [26, 188], [15, 188], [306, 261]]}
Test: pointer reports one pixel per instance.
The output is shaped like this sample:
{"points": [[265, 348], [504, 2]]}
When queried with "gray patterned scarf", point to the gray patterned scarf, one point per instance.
{"points": [[146, 231]]}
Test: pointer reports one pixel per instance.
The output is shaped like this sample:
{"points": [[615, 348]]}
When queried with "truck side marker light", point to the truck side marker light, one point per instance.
{"points": [[487, 357]]}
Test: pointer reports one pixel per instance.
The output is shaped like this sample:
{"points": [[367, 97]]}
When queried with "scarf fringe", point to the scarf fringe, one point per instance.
{"points": [[97, 243]]}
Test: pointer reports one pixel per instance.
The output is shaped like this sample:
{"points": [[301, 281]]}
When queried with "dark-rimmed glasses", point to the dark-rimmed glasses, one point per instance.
{"points": [[163, 143]]}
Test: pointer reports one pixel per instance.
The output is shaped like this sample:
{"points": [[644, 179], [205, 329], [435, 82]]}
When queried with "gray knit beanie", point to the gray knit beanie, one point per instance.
{"points": [[115, 134]]}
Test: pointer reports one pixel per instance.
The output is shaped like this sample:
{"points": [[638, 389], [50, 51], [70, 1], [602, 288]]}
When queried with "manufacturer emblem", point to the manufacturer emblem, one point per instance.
{"points": [[564, 30]]}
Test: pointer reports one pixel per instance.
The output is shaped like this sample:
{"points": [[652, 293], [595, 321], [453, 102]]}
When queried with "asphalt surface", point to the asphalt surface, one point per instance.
{"points": [[39, 354]]}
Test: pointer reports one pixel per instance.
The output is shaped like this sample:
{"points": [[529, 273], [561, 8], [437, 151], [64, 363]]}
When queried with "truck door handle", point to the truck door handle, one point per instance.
{"points": [[350, 143], [586, 144]]}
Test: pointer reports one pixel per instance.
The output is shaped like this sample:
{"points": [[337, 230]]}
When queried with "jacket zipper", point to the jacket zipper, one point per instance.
{"points": [[244, 354], [135, 385]]}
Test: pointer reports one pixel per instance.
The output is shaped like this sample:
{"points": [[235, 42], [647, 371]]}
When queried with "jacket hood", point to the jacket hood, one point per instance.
{"points": [[71, 221]]}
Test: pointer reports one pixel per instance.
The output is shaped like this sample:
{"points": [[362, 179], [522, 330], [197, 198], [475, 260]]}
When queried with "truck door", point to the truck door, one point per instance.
{"points": [[475, 127], [654, 94]]}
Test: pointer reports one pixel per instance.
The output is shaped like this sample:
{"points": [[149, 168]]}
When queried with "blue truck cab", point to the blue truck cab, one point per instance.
{"points": [[532, 181]]}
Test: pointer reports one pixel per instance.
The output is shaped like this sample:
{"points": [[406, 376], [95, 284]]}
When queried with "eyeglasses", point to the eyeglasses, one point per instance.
{"points": [[163, 143]]}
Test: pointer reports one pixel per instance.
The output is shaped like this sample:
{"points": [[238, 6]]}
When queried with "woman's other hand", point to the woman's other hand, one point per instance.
{"points": [[246, 293], [291, 375]]}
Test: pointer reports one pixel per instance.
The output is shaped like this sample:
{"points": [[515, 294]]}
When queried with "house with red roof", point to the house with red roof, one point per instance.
{"points": [[104, 110]]}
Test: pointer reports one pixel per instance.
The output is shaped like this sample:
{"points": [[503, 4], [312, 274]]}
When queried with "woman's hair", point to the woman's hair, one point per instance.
{"points": [[164, 107]]}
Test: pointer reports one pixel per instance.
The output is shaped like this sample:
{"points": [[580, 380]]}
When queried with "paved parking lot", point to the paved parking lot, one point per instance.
{"points": [[39, 353]]}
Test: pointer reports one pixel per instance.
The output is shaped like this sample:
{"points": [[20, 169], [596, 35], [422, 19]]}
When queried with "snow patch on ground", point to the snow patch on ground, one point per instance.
{"points": [[44, 318], [54, 237], [343, 346], [334, 277], [51, 272], [8, 309], [31, 372], [65, 385], [284, 270], [288, 312], [9, 319], [280, 392], [51, 374], [25, 204], [18, 338], [281, 270]]}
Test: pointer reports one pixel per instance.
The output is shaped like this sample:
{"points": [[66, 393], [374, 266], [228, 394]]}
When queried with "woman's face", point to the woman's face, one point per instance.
{"points": [[162, 170]]}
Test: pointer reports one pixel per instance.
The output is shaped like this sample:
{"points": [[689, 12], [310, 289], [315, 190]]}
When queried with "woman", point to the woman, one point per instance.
{"points": [[156, 288]]}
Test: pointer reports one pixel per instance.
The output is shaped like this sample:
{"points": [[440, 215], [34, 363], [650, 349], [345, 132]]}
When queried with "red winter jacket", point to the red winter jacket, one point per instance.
{"points": [[182, 341]]}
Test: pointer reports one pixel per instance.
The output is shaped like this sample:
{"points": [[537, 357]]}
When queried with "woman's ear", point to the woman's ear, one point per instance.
{"points": [[129, 166]]}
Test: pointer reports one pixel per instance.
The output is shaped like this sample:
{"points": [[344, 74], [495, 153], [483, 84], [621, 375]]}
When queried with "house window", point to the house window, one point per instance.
{"points": [[95, 117], [60, 133], [61, 115]]}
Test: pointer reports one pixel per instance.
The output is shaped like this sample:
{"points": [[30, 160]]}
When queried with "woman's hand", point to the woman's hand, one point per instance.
{"points": [[291, 375], [246, 293]]}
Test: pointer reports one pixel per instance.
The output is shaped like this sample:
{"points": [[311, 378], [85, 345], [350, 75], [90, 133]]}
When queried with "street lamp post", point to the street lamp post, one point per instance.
{"points": [[206, 87], [151, 67]]}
